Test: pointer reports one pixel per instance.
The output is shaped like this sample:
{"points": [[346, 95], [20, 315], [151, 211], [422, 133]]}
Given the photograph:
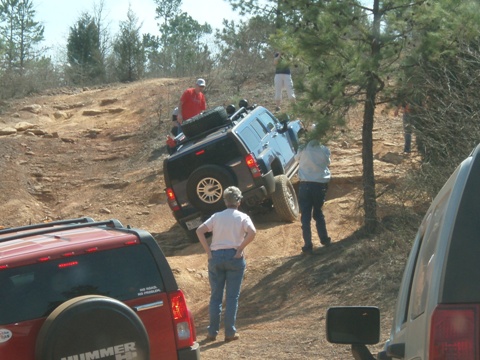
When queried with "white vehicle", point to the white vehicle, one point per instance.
{"points": [[438, 308]]}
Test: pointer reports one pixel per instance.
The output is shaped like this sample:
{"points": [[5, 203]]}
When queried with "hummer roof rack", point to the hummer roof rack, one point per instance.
{"points": [[54, 226]]}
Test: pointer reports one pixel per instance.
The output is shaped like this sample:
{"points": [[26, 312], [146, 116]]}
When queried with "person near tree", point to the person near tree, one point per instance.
{"points": [[314, 176], [232, 230], [407, 125], [192, 102], [283, 79]]}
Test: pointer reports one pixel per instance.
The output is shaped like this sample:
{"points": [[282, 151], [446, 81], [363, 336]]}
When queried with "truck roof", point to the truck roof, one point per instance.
{"points": [[45, 242]]}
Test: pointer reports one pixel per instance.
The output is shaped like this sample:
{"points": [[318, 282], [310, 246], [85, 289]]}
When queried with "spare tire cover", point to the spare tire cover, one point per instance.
{"points": [[92, 327], [205, 188], [205, 121]]}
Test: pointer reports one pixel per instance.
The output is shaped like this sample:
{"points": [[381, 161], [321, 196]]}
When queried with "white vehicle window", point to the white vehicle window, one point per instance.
{"points": [[426, 259]]}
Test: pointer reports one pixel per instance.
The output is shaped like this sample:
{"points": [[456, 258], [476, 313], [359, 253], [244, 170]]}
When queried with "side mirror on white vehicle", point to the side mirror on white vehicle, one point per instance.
{"points": [[354, 325]]}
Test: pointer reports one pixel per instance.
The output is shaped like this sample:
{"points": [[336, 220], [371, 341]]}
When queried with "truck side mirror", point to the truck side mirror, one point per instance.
{"points": [[353, 325], [284, 126]]}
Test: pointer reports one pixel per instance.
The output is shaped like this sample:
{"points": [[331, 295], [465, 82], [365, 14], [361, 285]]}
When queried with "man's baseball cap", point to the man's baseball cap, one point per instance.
{"points": [[201, 82]]}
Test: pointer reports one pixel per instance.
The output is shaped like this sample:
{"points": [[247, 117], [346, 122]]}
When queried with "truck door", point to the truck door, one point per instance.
{"points": [[277, 141]]}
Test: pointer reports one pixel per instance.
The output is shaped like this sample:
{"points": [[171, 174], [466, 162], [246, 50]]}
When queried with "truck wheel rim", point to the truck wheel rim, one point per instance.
{"points": [[209, 190]]}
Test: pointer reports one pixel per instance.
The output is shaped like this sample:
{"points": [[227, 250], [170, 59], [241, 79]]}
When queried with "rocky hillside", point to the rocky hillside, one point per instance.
{"points": [[99, 153]]}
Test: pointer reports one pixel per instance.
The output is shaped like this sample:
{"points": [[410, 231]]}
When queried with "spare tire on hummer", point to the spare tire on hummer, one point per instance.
{"points": [[205, 121], [96, 325]]}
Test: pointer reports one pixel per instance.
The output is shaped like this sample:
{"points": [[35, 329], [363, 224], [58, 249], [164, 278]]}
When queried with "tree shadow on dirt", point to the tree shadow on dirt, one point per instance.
{"points": [[175, 239], [347, 272]]}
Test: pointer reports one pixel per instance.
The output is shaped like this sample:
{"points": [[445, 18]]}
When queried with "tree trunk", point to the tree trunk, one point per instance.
{"points": [[369, 197]]}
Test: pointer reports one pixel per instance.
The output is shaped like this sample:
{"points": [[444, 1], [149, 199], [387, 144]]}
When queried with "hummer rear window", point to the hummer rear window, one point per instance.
{"points": [[34, 291]]}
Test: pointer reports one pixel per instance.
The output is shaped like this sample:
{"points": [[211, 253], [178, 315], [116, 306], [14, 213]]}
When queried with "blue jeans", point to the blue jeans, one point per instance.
{"points": [[311, 197], [407, 131], [408, 143], [225, 273]]}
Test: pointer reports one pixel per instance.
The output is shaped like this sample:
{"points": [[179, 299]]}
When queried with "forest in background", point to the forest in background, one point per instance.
{"points": [[95, 56], [344, 54]]}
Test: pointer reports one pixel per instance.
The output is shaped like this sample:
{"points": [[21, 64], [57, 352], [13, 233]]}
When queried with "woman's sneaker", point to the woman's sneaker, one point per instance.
{"points": [[232, 338]]}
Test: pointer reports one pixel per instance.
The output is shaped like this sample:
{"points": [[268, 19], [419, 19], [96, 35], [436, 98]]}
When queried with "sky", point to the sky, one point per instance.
{"points": [[58, 16]]}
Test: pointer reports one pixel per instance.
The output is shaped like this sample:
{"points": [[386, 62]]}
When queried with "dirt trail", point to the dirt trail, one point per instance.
{"points": [[99, 153]]}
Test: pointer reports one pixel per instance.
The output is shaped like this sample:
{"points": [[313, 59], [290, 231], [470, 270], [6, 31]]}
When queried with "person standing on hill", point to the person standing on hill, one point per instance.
{"points": [[232, 231], [407, 125], [314, 176], [176, 128], [192, 102], [283, 79]]}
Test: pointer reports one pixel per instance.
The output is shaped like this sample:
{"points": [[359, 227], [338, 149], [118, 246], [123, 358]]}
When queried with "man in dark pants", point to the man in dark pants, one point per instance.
{"points": [[314, 177]]}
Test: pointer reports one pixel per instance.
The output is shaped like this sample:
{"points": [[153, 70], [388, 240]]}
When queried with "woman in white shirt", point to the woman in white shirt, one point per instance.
{"points": [[232, 230]]}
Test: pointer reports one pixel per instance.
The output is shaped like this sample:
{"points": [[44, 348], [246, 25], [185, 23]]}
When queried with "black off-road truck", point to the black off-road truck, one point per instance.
{"points": [[250, 149]]}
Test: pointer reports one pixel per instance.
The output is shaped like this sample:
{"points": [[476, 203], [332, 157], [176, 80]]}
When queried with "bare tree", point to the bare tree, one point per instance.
{"points": [[103, 26]]}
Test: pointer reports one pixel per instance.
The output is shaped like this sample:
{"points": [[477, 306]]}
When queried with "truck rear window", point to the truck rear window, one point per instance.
{"points": [[34, 291]]}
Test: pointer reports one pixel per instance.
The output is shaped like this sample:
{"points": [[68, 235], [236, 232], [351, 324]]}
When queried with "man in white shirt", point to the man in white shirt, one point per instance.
{"points": [[314, 176], [232, 231]]}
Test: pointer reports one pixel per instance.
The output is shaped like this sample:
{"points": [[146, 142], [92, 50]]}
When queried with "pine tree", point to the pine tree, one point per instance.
{"points": [[20, 33], [180, 48], [440, 78], [349, 53], [244, 49], [129, 51], [84, 54]]}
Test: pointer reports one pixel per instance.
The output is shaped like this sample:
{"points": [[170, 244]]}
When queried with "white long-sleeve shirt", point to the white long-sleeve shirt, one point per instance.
{"points": [[314, 160]]}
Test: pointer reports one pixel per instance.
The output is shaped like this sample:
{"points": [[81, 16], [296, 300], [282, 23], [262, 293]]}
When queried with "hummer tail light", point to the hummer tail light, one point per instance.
{"points": [[253, 166], [172, 200], [182, 320]]}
